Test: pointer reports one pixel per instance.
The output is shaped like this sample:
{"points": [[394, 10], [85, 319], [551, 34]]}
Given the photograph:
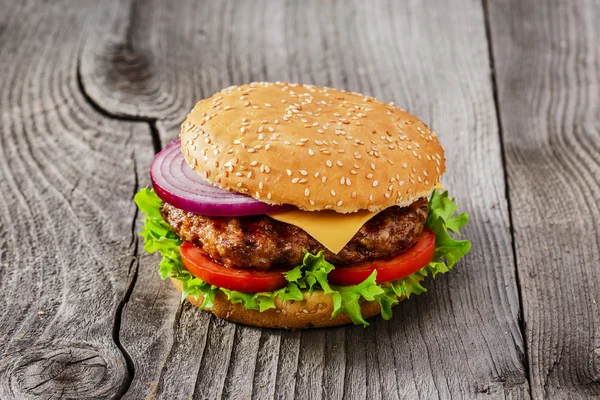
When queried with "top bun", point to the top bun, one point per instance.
{"points": [[315, 148]]}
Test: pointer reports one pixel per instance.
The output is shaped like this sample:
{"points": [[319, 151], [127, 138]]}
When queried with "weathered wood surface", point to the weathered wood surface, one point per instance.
{"points": [[153, 61], [547, 58], [67, 176], [90, 90]]}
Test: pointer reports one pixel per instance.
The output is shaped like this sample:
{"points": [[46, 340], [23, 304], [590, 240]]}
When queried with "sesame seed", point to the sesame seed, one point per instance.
{"points": [[226, 108], [243, 129], [369, 176], [371, 197], [260, 185], [267, 105], [269, 196], [246, 104], [251, 150], [303, 172], [387, 195], [329, 163], [343, 181], [339, 163], [287, 171], [353, 172], [323, 179], [295, 180], [353, 194], [271, 129], [372, 166], [333, 192], [311, 152], [260, 129], [348, 182], [339, 203], [306, 192], [267, 169], [267, 146], [312, 203]]}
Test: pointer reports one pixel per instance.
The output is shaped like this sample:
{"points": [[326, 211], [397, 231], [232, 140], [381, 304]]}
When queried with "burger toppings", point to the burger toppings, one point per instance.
{"points": [[178, 184], [314, 271], [261, 242], [199, 264]]}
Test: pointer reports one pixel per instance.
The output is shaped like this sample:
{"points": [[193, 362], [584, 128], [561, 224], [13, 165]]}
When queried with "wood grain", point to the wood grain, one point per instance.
{"points": [[462, 338], [547, 57], [67, 176]]}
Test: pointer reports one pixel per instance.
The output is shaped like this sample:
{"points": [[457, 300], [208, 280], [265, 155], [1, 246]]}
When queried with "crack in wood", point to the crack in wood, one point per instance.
{"points": [[134, 239], [520, 317]]}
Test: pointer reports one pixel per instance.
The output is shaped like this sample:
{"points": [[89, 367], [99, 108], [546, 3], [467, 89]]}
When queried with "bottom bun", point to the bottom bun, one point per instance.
{"points": [[312, 312]]}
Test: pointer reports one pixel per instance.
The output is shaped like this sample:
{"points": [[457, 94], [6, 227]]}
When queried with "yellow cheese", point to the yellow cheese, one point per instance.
{"points": [[333, 230]]}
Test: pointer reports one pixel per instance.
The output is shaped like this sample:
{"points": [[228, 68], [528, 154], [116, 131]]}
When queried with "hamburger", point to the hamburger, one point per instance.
{"points": [[295, 206]]}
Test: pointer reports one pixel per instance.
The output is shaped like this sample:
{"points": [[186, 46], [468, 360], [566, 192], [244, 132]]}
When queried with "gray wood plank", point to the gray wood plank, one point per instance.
{"points": [[462, 338], [547, 57], [67, 177]]}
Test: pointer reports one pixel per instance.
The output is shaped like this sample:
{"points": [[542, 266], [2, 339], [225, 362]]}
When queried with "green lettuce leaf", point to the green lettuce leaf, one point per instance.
{"points": [[312, 273], [440, 220]]}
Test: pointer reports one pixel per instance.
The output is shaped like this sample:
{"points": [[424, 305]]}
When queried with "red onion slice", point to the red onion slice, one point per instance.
{"points": [[176, 183]]}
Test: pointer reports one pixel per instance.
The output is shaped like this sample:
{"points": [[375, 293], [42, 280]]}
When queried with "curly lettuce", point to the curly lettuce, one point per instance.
{"points": [[312, 273]]}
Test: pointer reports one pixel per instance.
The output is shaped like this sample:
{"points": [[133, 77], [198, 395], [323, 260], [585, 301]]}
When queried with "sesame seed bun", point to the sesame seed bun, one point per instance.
{"points": [[312, 312], [315, 148]]}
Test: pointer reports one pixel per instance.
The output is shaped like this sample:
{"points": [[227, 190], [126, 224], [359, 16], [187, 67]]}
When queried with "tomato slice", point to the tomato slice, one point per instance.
{"points": [[389, 269], [253, 281]]}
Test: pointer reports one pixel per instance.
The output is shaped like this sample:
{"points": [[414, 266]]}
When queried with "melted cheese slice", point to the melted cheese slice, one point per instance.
{"points": [[333, 230]]}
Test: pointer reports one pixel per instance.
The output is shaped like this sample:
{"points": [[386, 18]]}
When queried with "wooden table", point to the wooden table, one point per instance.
{"points": [[91, 90]]}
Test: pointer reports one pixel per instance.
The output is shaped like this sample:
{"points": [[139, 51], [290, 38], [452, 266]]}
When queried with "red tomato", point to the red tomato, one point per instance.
{"points": [[389, 269], [253, 281]]}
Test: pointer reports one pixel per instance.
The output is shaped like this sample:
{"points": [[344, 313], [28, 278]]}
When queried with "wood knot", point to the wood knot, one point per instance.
{"points": [[67, 370]]}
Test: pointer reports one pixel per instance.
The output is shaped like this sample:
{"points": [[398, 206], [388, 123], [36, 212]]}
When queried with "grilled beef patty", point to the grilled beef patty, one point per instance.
{"points": [[261, 242]]}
